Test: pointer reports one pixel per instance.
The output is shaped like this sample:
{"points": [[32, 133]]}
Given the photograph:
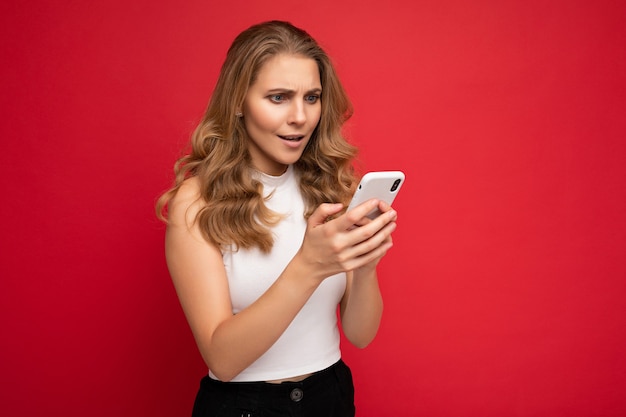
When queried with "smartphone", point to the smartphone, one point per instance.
{"points": [[383, 185]]}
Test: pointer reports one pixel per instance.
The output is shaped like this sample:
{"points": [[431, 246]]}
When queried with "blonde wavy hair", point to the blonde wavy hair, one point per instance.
{"points": [[234, 212]]}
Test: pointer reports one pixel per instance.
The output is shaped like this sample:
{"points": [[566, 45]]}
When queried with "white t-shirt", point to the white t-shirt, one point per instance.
{"points": [[311, 342]]}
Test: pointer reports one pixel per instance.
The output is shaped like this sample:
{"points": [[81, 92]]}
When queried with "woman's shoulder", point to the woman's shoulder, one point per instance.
{"points": [[187, 201], [189, 188]]}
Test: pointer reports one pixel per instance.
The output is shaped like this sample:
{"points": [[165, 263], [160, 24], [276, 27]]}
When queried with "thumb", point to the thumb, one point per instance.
{"points": [[323, 212]]}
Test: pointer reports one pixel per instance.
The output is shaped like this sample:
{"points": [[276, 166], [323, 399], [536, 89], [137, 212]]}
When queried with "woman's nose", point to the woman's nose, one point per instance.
{"points": [[297, 113]]}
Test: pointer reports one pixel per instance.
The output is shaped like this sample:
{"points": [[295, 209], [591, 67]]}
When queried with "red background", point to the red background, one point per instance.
{"points": [[505, 289]]}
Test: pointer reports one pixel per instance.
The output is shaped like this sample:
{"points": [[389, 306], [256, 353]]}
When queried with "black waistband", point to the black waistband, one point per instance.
{"points": [[310, 381]]}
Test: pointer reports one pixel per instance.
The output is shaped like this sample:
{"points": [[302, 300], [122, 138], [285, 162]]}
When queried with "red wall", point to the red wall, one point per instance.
{"points": [[505, 289]]}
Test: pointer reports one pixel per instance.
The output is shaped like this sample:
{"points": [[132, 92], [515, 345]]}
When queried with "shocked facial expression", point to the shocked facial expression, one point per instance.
{"points": [[281, 110]]}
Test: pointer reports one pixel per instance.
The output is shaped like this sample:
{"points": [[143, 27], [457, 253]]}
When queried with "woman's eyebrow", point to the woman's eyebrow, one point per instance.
{"points": [[290, 91]]}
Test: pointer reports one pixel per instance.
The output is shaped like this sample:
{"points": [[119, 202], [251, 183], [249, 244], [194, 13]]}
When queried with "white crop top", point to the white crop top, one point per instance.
{"points": [[311, 342]]}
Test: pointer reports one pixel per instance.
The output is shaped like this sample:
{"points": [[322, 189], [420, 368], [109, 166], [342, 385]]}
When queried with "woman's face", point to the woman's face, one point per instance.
{"points": [[281, 110]]}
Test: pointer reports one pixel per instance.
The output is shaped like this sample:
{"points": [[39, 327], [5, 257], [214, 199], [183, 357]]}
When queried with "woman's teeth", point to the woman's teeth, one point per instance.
{"points": [[291, 138]]}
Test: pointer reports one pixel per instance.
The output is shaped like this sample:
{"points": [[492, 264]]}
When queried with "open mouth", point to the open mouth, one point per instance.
{"points": [[291, 138]]}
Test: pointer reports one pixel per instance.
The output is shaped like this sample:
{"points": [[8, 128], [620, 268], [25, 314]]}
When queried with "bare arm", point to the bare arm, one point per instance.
{"points": [[228, 343], [362, 304]]}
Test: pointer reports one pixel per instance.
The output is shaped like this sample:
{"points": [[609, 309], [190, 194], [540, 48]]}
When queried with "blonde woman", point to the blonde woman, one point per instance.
{"points": [[259, 246]]}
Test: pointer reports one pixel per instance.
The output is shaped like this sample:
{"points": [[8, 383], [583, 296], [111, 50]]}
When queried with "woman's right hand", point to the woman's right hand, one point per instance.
{"points": [[334, 246]]}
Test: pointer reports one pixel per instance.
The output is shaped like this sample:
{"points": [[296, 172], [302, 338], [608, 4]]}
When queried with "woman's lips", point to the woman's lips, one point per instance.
{"points": [[292, 138]]}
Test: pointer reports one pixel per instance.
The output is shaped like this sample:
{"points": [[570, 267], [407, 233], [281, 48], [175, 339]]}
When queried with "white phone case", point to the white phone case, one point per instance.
{"points": [[383, 185]]}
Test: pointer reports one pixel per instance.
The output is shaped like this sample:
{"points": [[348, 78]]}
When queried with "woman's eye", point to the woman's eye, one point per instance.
{"points": [[312, 99], [277, 98]]}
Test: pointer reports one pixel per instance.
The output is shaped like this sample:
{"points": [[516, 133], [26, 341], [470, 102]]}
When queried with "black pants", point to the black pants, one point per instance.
{"points": [[327, 393]]}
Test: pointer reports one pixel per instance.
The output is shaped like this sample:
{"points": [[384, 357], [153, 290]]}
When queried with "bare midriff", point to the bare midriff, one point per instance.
{"points": [[290, 379]]}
